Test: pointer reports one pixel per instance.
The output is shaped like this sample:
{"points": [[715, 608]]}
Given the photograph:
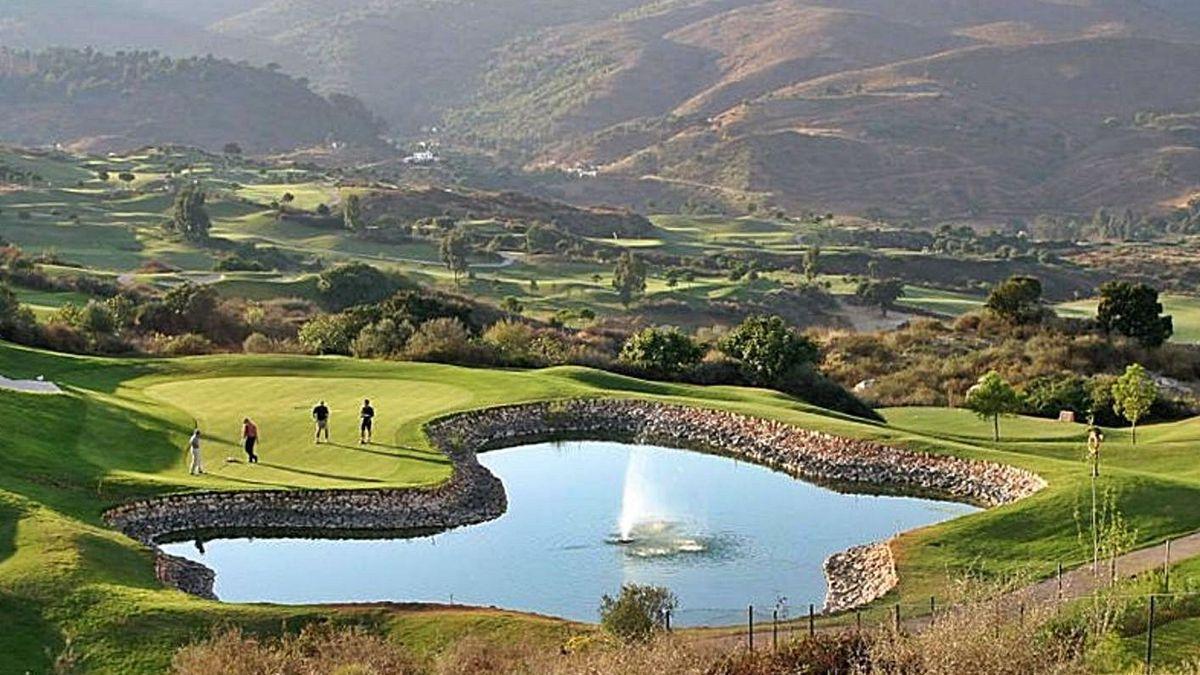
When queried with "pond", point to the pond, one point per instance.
{"points": [[584, 518]]}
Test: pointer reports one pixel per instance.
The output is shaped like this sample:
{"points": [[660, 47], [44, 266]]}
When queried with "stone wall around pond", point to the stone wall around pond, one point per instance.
{"points": [[474, 495]]}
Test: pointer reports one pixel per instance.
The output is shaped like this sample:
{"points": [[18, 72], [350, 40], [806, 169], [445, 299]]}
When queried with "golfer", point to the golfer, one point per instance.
{"points": [[194, 447], [250, 439], [321, 415], [367, 415]]}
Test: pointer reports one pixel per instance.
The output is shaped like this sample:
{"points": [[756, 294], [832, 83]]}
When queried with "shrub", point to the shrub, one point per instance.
{"points": [[188, 344], [257, 343], [61, 337], [329, 334], [355, 284], [513, 341], [1049, 395], [382, 339], [637, 613], [666, 351], [767, 346], [443, 339]]}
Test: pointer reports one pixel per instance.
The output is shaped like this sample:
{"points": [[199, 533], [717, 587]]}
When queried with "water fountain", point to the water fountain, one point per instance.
{"points": [[650, 525]]}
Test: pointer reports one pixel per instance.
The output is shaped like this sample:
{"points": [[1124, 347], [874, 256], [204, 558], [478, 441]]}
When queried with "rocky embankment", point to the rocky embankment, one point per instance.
{"points": [[859, 575], [474, 495]]}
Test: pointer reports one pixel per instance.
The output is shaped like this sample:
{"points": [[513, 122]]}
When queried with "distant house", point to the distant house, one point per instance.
{"points": [[421, 157], [583, 171]]}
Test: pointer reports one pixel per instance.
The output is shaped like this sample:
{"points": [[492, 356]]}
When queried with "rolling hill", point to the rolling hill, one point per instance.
{"points": [[89, 100], [913, 107]]}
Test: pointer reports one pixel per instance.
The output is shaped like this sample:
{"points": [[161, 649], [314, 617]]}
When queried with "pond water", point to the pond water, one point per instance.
{"points": [[584, 518]]}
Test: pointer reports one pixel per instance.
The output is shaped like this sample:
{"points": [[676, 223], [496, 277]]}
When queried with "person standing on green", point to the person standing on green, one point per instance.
{"points": [[367, 415], [197, 467], [321, 415], [250, 439]]}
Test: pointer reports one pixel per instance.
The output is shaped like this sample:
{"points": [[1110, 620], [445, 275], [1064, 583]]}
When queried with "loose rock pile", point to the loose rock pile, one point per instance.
{"points": [[859, 575], [474, 495]]}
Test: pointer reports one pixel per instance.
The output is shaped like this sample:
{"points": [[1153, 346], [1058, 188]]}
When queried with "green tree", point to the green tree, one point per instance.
{"points": [[17, 322], [512, 304], [1133, 394], [638, 612], [352, 214], [666, 351], [189, 217], [1017, 300], [767, 347], [541, 238], [812, 263], [881, 293], [629, 277], [329, 334], [355, 284], [993, 397], [455, 249], [1133, 310], [382, 339]]}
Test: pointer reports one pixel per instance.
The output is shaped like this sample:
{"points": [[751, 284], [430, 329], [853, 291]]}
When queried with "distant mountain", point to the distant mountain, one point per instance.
{"points": [[915, 107], [88, 99]]}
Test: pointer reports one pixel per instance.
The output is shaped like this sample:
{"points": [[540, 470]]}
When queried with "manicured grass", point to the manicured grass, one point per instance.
{"points": [[1185, 310], [946, 303], [119, 433]]}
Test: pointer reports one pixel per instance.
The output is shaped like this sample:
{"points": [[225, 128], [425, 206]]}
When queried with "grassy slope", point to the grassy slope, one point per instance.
{"points": [[120, 430]]}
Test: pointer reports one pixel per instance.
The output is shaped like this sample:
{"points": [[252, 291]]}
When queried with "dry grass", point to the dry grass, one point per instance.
{"points": [[979, 640]]}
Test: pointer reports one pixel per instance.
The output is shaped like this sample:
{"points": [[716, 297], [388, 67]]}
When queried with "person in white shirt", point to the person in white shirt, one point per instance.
{"points": [[194, 447]]}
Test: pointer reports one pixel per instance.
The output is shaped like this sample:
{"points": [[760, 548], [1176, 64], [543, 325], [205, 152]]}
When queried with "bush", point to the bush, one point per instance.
{"points": [[382, 339], [188, 344], [1049, 395], [355, 284], [665, 351], [329, 334], [444, 340], [257, 343], [767, 346], [637, 613], [513, 342]]}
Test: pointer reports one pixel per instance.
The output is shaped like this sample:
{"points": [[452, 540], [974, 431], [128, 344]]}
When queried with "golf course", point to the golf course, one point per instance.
{"points": [[70, 585]]}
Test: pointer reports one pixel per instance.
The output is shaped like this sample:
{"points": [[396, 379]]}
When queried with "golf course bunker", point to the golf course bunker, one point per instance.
{"points": [[573, 521], [583, 518]]}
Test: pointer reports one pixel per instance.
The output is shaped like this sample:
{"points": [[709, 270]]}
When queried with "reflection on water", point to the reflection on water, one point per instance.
{"points": [[720, 533]]}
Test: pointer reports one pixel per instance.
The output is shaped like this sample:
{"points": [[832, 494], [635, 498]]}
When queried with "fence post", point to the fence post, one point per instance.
{"points": [[1021, 612], [858, 618], [812, 626], [668, 621], [750, 625], [1112, 569], [1060, 582], [932, 610], [1150, 638], [775, 630], [1167, 568], [896, 618]]}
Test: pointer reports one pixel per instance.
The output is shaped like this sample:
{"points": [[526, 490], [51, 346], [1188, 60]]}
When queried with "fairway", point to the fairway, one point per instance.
{"points": [[1184, 310]]}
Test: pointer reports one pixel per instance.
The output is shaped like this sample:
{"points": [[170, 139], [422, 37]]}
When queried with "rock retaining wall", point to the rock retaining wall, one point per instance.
{"points": [[859, 575], [474, 495]]}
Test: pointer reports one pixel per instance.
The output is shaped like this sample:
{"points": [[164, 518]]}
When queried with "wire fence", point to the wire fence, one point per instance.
{"points": [[1145, 611]]}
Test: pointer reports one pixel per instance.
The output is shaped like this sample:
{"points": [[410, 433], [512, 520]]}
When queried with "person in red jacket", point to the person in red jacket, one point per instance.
{"points": [[250, 439]]}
